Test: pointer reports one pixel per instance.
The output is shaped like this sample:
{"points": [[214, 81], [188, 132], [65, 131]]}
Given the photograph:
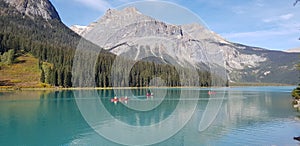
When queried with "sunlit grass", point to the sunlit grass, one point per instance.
{"points": [[25, 73]]}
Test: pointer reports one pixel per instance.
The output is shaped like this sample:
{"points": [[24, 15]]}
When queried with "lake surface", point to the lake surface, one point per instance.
{"points": [[187, 116]]}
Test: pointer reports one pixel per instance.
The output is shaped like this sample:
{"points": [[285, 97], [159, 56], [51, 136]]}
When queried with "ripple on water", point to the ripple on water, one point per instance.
{"points": [[274, 132]]}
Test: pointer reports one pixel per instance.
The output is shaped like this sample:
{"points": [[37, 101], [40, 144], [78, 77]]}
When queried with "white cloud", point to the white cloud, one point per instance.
{"points": [[286, 16], [238, 10], [279, 18], [267, 20], [100, 5], [280, 38], [260, 34], [259, 3]]}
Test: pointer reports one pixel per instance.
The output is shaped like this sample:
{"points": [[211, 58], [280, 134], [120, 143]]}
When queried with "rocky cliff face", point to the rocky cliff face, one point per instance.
{"points": [[35, 8], [130, 32]]}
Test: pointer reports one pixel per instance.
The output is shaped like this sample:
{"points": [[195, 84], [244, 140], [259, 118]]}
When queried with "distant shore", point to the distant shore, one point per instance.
{"points": [[12, 88], [259, 84]]}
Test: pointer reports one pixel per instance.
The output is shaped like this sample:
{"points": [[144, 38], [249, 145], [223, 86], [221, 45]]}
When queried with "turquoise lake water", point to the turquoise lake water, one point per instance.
{"points": [[187, 116]]}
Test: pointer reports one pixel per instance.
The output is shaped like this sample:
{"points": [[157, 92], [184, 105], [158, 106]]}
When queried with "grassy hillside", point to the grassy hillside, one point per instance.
{"points": [[24, 73]]}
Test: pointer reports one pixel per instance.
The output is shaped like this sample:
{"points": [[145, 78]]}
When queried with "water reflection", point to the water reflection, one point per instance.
{"points": [[163, 106], [250, 118], [247, 117], [38, 118], [136, 127]]}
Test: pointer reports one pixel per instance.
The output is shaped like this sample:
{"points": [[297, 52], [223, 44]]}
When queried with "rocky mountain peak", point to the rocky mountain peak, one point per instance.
{"points": [[35, 8], [129, 12], [131, 33], [114, 19], [132, 10]]}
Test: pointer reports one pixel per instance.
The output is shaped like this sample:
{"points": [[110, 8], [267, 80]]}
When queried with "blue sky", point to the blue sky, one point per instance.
{"points": [[271, 24]]}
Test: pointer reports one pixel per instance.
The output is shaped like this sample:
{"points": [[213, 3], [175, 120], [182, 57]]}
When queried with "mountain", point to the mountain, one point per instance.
{"points": [[78, 29], [54, 46], [295, 50], [35, 8], [124, 31], [34, 27]]}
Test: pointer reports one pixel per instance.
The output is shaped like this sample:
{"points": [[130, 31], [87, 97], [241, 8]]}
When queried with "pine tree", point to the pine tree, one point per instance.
{"points": [[42, 76]]}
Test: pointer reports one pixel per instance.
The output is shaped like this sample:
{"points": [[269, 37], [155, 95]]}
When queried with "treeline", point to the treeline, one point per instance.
{"points": [[7, 57], [296, 92], [49, 41], [54, 45]]}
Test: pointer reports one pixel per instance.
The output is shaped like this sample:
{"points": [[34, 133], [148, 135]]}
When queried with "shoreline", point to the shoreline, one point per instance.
{"points": [[112, 88]]}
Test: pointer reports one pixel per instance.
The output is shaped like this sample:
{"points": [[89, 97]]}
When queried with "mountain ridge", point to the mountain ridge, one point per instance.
{"points": [[243, 63], [51, 41], [54, 45], [33, 8], [294, 50]]}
